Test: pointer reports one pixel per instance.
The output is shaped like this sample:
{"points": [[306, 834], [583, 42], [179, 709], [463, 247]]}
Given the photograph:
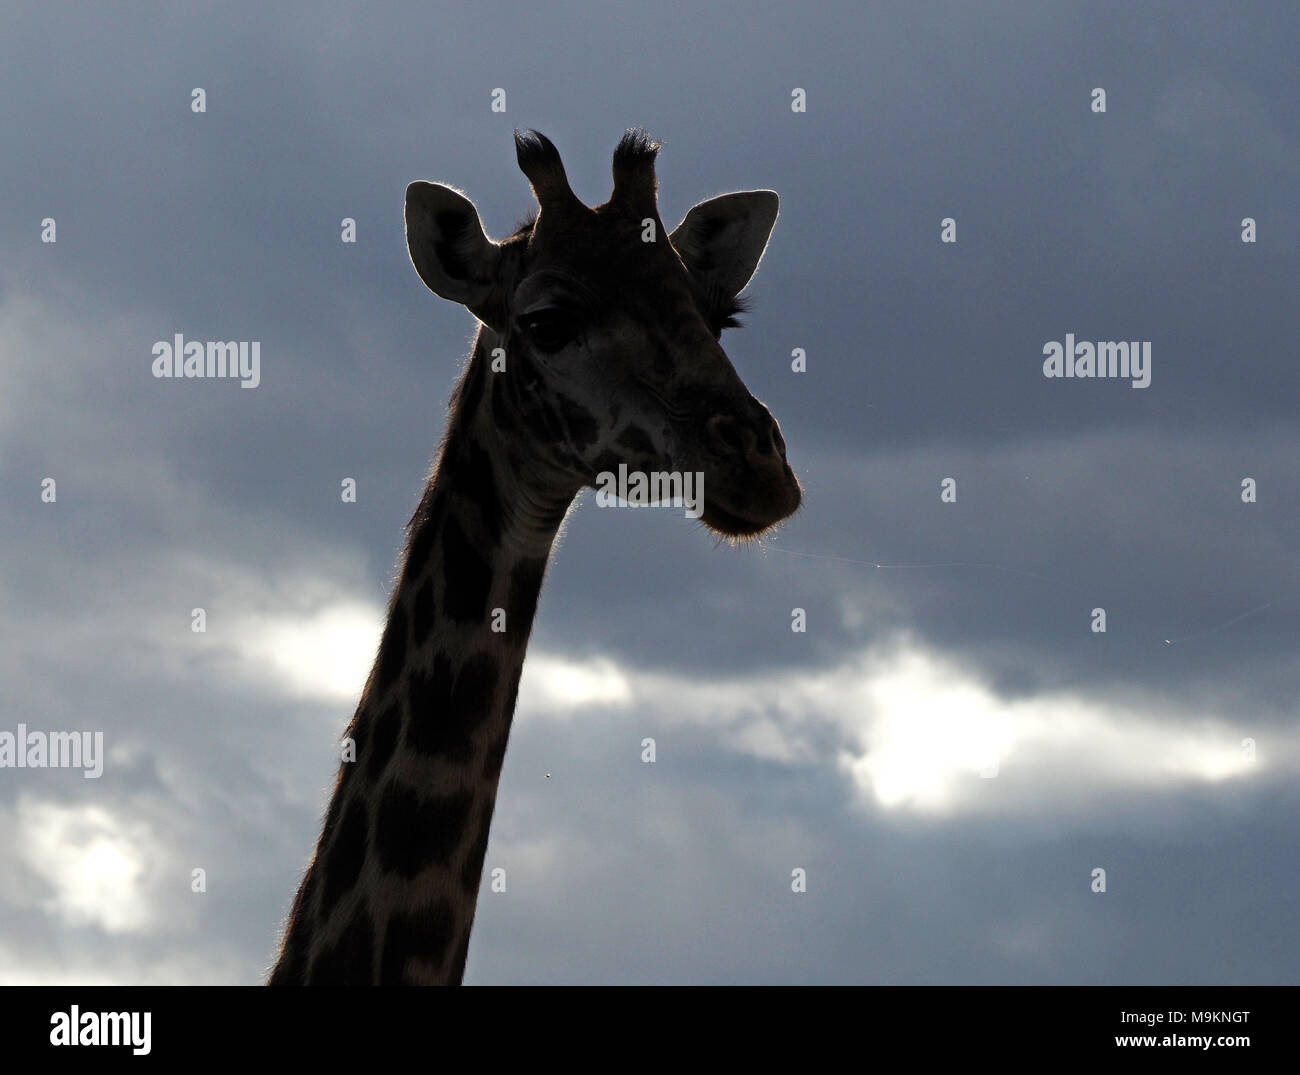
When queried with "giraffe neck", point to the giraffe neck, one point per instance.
{"points": [[390, 895]]}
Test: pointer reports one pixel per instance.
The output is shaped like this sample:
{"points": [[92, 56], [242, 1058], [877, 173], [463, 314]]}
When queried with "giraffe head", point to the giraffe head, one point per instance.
{"points": [[609, 330]]}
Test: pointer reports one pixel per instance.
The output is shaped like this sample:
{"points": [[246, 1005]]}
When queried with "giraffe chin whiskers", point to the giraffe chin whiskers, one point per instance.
{"points": [[738, 529]]}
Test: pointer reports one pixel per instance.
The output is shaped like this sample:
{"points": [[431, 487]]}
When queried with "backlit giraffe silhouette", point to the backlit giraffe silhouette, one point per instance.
{"points": [[598, 347]]}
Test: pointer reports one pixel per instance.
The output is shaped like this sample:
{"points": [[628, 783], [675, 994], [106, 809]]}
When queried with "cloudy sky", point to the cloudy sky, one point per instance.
{"points": [[945, 640]]}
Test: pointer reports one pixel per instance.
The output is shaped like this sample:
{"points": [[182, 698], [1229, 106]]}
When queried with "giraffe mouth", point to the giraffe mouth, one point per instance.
{"points": [[730, 524]]}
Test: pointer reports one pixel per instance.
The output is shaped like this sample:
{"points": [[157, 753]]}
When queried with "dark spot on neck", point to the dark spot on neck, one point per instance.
{"points": [[351, 960], [475, 481], [347, 854], [467, 578], [432, 728], [472, 696], [422, 934], [384, 740], [422, 613], [424, 527], [412, 832]]}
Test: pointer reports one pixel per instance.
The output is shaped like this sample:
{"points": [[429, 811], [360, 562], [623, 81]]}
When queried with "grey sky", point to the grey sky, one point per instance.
{"points": [[852, 751]]}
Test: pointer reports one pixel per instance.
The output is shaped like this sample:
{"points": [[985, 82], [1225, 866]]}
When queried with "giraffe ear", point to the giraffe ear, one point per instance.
{"points": [[722, 240], [448, 246]]}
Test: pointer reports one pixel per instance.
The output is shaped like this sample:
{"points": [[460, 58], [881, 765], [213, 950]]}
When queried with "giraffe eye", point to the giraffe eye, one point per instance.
{"points": [[548, 329]]}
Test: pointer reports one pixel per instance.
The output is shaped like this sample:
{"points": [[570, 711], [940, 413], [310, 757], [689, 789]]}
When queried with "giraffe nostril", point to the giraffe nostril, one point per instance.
{"points": [[778, 440], [730, 433]]}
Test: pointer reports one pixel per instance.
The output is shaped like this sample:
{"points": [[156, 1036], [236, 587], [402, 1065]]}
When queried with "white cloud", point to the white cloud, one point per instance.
{"points": [[138, 963], [913, 731], [90, 866], [324, 652], [927, 730], [559, 686]]}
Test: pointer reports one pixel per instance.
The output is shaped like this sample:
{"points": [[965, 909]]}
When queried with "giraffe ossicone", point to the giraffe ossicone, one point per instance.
{"points": [[605, 331]]}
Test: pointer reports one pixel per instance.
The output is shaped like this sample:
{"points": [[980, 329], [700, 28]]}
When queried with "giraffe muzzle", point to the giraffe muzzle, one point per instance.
{"points": [[750, 486]]}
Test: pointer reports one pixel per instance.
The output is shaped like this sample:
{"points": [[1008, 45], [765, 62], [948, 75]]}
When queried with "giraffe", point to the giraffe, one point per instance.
{"points": [[598, 345]]}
